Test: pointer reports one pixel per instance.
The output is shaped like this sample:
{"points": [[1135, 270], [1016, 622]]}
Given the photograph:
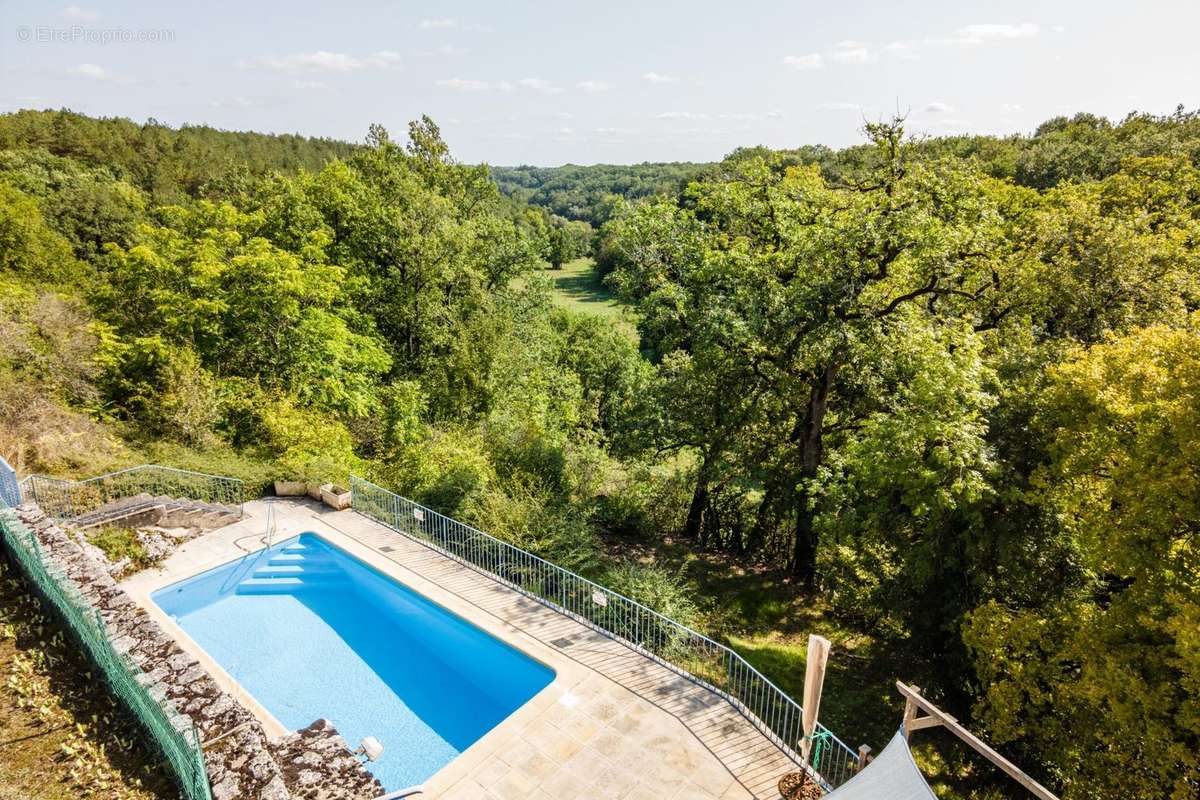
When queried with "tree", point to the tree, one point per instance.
{"points": [[1104, 682], [794, 287]]}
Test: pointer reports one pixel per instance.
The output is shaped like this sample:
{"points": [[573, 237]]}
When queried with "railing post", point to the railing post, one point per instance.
{"points": [[864, 756]]}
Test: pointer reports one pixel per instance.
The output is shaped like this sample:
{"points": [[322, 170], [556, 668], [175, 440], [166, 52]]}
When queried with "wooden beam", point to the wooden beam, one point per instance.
{"points": [[917, 723], [914, 700]]}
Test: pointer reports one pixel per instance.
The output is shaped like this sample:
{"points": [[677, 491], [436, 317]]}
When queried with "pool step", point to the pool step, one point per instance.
{"points": [[270, 586], [297, 571], [284, 559]]}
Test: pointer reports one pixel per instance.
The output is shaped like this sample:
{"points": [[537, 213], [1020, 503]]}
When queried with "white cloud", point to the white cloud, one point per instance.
{"points": [[978, 34], [954, 125], [564, 115], [775, 114], [852, 52], [1011, 107], [78, 14], [325, 61], [464, 85], [936, 107], [742, 116], [614, 131], [901, 50], [565, 131], [504, 86], [683, 115], [235, 102], [539, 85], [445, 22], [593, 86], [654, 77], [809, 61], [93, 71], [839, 107]]}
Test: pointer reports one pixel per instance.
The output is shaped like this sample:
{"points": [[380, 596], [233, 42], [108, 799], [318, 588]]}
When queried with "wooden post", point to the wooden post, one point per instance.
{"points": [[910, 712], [864, 755], [814, 680]]}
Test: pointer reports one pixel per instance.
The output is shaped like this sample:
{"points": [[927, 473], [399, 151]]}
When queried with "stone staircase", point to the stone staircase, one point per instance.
{"points": [[145, 510]]}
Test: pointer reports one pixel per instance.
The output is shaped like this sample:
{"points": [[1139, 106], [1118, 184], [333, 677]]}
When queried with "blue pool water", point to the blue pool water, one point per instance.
{"points": [[310, 631]]}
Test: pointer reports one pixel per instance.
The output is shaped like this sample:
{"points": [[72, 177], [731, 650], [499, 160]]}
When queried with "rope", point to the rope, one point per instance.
{"points": [[820, 740]]}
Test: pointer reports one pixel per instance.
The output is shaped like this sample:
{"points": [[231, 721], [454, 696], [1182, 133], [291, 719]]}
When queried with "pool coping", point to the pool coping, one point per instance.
{"points": [[567, 673]]}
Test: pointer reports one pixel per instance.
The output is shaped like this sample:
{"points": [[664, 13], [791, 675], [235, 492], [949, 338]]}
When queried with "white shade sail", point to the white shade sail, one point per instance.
{"points": [[892, 775]]}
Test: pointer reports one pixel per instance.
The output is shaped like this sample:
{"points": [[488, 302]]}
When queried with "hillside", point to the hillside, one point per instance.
{"points": [[935, 399]]}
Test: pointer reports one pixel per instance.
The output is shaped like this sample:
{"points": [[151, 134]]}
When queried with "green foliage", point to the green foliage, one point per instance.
{"points": [[30, 250], [1108, 677], [654, 587], [119, 544], [941, 390], [586, 193]]}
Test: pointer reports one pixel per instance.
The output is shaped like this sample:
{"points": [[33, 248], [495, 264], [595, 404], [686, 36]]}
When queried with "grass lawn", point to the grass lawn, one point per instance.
{"points": [[577, 287], [61, 734]]}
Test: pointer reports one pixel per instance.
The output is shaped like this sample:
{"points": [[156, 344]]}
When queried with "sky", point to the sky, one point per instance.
{"points": [[602, 82]]}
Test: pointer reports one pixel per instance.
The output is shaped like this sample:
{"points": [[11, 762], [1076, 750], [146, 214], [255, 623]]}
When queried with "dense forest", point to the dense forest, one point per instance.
{"points": [[938, 399]]}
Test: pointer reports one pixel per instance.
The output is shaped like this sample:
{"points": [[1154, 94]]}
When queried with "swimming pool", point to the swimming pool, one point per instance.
{"points": [[311, 631]]}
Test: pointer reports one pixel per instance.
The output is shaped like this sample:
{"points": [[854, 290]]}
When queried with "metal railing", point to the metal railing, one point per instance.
{"points": [[675, 646], [66, 500], [173, 733]]}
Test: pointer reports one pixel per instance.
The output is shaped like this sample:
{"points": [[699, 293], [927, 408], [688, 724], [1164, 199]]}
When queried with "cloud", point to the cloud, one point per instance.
{"points": [[77, 14], [1010, 107], [805, 62], [539, 85], [852, 52], [839, 107], [682, 115], [979, 34], [563, 115], [936, 107], [775, 114], [235, 102], [593, 86], [464, 85], [614, 131], [954, 125], [905, 51], [93, 71], [654, 77], [325, 61], [445, 22]]}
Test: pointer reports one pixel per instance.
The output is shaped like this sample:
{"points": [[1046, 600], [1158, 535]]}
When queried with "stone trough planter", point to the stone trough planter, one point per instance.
{"points": [[335, 497], [290, 488], [315, 490]]}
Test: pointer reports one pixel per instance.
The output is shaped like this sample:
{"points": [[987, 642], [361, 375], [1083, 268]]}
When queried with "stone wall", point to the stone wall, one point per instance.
{"points": [[244, 765]]}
